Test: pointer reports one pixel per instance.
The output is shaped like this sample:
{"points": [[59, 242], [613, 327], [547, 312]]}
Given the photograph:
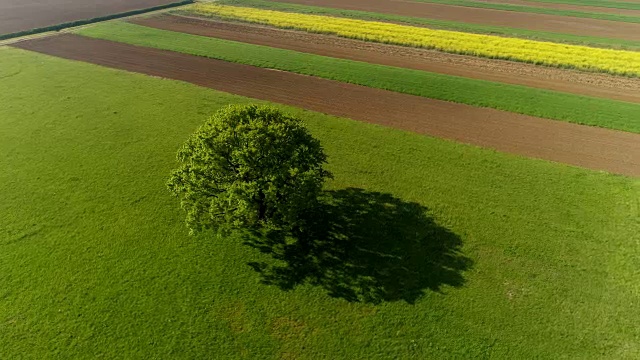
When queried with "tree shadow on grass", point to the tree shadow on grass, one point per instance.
{"points": [[364, 247]]}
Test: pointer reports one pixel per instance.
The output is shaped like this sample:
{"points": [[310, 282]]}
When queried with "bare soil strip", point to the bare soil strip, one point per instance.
{"points": [[540, 22], [570, 81], [557, 6], [22, 15], [590, 147]]}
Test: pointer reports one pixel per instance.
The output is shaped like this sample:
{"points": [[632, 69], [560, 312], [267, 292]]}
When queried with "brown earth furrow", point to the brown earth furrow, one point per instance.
{"points": [[557, 6], [564, 80], [589, 147], [539, 22]]}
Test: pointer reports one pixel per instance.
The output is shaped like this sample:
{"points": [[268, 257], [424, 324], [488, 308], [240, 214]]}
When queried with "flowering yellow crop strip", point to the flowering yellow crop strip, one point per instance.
{"points": [[537, 52]]}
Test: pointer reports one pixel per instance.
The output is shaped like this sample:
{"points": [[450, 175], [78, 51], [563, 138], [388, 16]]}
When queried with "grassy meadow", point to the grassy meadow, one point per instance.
{"points": [[503, 257], [437, 24], [514, 98]]}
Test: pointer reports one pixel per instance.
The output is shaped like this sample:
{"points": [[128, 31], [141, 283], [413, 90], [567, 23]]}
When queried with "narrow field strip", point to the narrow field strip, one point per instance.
{"points": [[590, 147], [598, 3], [439, 24], [573, 56], [600, 85], [484, 17], [530, 101], [536, 10]]}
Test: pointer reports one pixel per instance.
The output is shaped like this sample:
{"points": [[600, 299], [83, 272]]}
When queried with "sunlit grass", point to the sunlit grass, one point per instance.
{"points": [[95, 260]]}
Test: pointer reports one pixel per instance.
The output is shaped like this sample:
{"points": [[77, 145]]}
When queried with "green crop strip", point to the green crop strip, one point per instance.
{"points": [[535, 10], [437, 24], [519, 99]]}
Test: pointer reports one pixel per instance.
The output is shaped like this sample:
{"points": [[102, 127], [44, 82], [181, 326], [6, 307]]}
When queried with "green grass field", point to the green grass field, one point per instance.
{"points": [[537, 10], [530, 101], [95, 259], [438, 24]]}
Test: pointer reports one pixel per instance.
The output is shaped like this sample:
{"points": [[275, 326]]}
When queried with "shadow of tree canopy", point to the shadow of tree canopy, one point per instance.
{"points": [[364, 247]]}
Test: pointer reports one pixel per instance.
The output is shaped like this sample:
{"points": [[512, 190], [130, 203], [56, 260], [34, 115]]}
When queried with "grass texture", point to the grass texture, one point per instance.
{"points": [[573, 56], [439, 24], [536, 102], [537, 10], [96, 261]]}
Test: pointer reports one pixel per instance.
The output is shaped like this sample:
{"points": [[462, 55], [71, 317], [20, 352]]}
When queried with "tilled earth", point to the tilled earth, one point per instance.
{"points": [[540, 22], [564, 80], [590, 147], [22, 15]]}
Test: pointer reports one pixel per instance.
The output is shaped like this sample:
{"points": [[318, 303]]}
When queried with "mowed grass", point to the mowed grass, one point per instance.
{"points": [[95, 259], [519, 99], [438, 24], [538, 10]]}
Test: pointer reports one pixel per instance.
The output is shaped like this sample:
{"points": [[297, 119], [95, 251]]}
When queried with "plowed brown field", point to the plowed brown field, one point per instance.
{"points": [[590, 147], [22, 15], [597, 85], [540, 22]]}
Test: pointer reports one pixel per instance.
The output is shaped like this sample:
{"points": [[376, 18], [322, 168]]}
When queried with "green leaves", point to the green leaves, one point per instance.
{"points": [[248, 166]]}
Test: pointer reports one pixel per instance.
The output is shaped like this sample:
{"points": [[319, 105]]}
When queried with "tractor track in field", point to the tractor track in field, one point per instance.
{"points": [[564, 80], [589, 147], [520, 20]]}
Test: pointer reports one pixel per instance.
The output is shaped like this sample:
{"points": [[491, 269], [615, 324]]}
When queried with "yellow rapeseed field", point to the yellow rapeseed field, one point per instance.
{"points": [[537, 52]]}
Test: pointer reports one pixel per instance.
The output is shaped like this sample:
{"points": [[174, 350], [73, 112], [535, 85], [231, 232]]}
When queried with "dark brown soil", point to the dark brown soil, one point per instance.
{"points": [[590, 84], [540, 22], [22, 15], [590, 147]]}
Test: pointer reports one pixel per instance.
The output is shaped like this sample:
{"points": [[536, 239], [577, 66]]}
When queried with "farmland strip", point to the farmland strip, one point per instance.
{"points": [[592, 14], [609, 7], [576, 26], [596, 85], [589, 147], [513, 32], [605, 113], [537, 52]]}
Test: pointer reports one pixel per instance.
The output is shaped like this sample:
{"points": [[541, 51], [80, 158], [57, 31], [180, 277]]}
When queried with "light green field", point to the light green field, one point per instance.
{"points": [[537, 10], [95, 260], [514, 98], [438, 24]]}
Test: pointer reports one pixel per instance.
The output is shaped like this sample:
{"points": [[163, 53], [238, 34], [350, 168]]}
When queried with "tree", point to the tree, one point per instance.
{"points": [[248, 166]]}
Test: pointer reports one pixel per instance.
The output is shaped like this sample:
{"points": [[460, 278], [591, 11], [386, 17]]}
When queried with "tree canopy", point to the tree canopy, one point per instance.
{"points": [[248, 166]]}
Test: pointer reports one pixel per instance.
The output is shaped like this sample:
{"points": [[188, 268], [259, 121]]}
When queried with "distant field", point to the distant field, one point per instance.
{"points": [[537, 10], [486, 17], [599, 3], [16, 16], [96, 260], [537, 52], [440, 24], [553, 105]]}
